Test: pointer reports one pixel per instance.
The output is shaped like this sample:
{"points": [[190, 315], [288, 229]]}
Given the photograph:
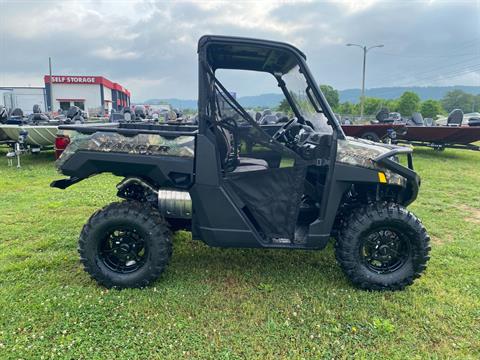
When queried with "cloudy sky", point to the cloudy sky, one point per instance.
{"points": [[150, 46]]}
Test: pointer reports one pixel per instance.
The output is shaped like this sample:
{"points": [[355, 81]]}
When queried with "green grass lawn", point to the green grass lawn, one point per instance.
{"points": [[229, 304]]}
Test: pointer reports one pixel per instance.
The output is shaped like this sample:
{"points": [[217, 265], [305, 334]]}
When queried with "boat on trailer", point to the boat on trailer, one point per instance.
{"points": [[37, 131], [40, 136], [457, 134], [441, 137]]}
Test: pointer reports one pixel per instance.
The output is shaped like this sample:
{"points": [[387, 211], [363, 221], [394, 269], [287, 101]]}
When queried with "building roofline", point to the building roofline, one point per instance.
{"points": [[98, 80], [21, 87]]}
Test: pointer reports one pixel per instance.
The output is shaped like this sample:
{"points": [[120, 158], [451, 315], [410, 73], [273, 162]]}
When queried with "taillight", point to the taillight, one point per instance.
{"points": [[61, 142]]}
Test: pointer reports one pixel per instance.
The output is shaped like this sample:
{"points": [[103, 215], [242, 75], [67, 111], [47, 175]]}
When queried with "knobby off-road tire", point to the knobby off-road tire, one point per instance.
{"points": [[373, 233], [125, 245], [370, 136]]}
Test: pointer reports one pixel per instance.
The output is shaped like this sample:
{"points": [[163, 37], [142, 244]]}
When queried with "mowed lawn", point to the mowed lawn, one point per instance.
{"points": [[232, 304]]}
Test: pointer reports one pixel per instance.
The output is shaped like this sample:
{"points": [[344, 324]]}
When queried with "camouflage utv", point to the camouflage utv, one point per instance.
{"points": [[295, 186]]}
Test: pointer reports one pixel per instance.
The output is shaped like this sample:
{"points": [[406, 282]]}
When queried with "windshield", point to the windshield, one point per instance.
{"points": [[304, 99]]}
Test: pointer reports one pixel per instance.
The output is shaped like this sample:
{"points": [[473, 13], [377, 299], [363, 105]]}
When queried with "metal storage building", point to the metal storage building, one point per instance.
{"points": [[23, 97], [95, 94]]}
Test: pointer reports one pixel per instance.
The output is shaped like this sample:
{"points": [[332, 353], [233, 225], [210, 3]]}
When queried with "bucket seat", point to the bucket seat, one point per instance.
{"points": [[229, 157], [455, 118], [417, 119]]}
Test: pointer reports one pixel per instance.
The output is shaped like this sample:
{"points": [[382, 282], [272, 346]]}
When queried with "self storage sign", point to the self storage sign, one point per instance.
{"points": [[74, 80]]}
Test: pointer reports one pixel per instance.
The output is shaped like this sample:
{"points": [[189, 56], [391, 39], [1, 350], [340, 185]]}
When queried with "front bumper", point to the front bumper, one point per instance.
{"points": [[413, 179]]}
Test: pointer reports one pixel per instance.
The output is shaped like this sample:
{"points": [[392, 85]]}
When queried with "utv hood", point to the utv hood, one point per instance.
{"points": [[361, 152]]}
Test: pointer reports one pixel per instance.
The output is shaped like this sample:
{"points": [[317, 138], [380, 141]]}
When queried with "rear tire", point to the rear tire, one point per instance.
{"points": [[382, 247], [125, 245], [371, 136]]}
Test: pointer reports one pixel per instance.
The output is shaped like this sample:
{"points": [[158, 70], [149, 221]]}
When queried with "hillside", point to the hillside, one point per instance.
{"points": [[351, 95], [425, 92], [263, 100]]}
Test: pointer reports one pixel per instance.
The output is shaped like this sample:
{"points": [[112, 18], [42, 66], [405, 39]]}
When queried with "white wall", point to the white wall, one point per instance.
{"points": [[107, 95], [24, 98], [91, 94]]}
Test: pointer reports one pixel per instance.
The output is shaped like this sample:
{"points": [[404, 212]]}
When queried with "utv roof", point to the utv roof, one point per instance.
{"points": [[230, 52]]}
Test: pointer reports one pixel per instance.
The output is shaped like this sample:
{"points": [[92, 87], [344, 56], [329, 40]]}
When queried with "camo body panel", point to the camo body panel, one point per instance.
{"points": [[359, 152], [144, 144]]}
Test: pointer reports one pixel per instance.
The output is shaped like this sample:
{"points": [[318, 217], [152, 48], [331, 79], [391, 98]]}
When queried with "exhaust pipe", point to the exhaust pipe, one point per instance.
{"points": [[172, 204], [175, 204]]}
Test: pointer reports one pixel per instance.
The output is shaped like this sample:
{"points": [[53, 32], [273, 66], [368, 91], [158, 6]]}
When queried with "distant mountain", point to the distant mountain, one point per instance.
{"points": [[264, 100], [174, 103], [351, 95], [425, 92]]}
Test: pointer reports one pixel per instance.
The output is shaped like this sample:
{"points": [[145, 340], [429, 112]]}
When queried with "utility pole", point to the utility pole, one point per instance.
{"points": [[365, 50], [51, 87]]}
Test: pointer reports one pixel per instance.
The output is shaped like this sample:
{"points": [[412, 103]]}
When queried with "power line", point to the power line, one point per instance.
{"points": [[427, 56], [475, 43], [402, 76], [448, 75], [442, 67], [426, 75], [445, 64], [475, 69]]}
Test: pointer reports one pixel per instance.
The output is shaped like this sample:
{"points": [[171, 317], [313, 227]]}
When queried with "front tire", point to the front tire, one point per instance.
{"points": [[125, 245], [382, 247]]}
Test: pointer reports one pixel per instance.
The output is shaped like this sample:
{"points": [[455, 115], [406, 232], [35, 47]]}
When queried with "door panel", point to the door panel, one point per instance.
{"points": [[271, 198]]}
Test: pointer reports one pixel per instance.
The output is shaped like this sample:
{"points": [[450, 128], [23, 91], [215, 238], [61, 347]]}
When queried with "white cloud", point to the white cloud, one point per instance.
{"points": [[110, 53], [20, 79], [354, 6], [36, 20], [150, 46]]}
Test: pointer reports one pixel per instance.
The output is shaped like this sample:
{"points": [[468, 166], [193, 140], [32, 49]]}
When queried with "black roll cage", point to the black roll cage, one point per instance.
{"points": [[281, 85], [241, 111], [205, 70], [333, 191]]}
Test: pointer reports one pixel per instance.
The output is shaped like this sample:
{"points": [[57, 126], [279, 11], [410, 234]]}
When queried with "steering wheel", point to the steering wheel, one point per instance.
{"points": [[281, 133], [228, 123]]}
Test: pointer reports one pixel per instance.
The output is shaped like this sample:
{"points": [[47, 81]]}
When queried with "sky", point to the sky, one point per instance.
{"points": [[150, 46]]}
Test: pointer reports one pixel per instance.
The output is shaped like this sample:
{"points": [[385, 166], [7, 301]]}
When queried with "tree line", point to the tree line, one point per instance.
{"points": [[408, 103]]}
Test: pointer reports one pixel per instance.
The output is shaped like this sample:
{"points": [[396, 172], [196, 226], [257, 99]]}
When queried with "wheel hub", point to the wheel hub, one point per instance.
{"points": [[383, 253], [384, 250], [124, 248], [123, 251]]}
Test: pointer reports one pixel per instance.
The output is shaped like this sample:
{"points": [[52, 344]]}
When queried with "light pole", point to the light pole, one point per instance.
{"points": [[365, 50], [51, 84]]}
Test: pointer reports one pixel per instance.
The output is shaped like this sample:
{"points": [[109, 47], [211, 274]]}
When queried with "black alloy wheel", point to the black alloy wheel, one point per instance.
{"points": [[123, 250], [125, 245], [384, 250], [382, 246]]}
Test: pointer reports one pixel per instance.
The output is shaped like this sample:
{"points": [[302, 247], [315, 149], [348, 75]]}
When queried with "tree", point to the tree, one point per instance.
{"points": [[331, 95], [346, 108], [408, 103], [372, 105], [430, 109], [284, 107], [391, 105], [458, 99], [476, 103]]}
